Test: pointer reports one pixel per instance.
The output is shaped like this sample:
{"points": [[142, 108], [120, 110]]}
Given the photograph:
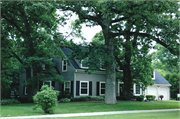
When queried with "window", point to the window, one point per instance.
{"points": [[25, 89], [84, 63], [102, 66], [153, 75], [137, 89], [64, 65], [67, 86], [49, 83], [102, 88], [84, 88], [43, 66]]}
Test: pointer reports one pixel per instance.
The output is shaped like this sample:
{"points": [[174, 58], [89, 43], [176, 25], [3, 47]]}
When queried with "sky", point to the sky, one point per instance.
{"points": [[87, 32]]}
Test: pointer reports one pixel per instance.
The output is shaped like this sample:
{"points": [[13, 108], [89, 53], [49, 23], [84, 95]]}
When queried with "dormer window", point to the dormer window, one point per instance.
{"points": [[84, 63], [43, 66], [102, 65], [153, 75], [64, 65]]}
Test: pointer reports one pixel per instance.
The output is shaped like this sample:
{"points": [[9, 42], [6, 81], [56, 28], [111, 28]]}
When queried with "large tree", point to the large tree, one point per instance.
{"points": [[32, 29], [152, 18]]}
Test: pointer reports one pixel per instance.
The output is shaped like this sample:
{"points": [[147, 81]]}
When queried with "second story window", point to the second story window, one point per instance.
{"points": [[84, 63], [64, 65]]}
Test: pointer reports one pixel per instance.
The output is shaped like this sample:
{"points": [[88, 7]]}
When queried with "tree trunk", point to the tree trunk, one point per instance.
{"points": [[127, 83], [110, 93]]}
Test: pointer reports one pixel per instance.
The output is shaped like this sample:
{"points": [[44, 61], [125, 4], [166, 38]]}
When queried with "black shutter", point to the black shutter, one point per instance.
{"points": [[72, 86], [90, 88], [53, 84], [97, 89], [40, 84], [77, 87], [62, 87]]}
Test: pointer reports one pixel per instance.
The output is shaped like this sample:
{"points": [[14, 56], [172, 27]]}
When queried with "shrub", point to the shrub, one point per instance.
{"points": [[121, 98], [65, 100], [97, 98], [140, 98], [46, 99], [150, 97], [9, 101], [64, 94]]}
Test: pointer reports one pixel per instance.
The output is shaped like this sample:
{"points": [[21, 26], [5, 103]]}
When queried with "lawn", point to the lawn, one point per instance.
{"points": [[80, 107]]}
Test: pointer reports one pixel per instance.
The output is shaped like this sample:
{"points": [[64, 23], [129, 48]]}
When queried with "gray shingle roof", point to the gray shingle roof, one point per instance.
{"points": [[159, 79]]}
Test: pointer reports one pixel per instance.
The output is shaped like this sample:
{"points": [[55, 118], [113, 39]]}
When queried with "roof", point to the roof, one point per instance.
{"points": [[159, 79]]}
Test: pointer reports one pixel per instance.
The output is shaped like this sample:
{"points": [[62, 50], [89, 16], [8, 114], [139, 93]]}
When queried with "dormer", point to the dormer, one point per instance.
{"points": [[84, 64], [153, 75]]}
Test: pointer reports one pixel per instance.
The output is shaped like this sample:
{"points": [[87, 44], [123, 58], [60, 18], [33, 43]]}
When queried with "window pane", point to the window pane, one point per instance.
{"points": [[47, 83], [83, 91], [64, 62], [102, 85], [137, 89], [83, 85], [102, 91], [67, 84], [67, 89]]}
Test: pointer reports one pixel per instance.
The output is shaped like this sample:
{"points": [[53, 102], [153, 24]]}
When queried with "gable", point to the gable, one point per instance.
{"points": [[159, 79]]}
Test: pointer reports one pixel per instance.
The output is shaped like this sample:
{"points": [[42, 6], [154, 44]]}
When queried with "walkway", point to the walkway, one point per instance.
{"points": [[88, 114]]}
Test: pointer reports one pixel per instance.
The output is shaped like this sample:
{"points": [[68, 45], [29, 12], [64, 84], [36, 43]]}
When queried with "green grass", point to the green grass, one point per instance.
{"points": [[148, 115], [80, 107]]}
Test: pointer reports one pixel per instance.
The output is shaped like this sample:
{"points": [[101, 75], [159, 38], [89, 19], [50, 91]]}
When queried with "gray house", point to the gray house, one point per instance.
{"points": [[78, 83]]}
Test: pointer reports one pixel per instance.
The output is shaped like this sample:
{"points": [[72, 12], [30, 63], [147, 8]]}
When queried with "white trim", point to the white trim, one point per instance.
{"points": [[153, 78], [49, 82], [101, 88], [135, 90], [82, 66], [94, 72], [69, 85], [87, 88], [63, 66], [25, 88]]}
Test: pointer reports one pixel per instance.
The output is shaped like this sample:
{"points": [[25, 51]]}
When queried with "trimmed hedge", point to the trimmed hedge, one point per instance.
{"points": [[65, 100], [121, 98], [98, 98], [9, 101], [150, 97], [140, 98]]}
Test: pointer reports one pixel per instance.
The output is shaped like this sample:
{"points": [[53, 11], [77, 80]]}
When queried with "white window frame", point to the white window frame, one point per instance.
{"points": [[82, 65], [69, 85], [135, 90], [101, 88], [49, 82], [153, 75], [43, 66], [25, 89], [63, 66], [87, 88]]}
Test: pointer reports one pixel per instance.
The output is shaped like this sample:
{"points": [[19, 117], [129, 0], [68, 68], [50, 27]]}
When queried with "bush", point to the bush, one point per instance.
{"points": [[150, 97], [65, 100], [140, 98], [121, 98], [46, 99], [64, 94], [97, 98], [9, 101]]}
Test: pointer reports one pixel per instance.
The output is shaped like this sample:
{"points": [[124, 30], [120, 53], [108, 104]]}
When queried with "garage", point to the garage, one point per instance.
{"points": [[164, 91]]}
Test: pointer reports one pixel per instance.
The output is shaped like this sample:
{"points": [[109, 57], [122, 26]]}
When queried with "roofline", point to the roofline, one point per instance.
{"points": [[95, 72], [164, 84]]}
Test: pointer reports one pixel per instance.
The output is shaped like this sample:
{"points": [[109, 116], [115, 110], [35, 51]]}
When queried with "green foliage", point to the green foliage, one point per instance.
{"points": [[64, 94], [97, 98], [150, 97], [140, 98], [9, 101], [65, 100], [46, 99]]}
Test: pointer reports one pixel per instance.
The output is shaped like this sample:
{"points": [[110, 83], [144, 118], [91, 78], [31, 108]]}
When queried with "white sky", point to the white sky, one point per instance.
{"points": [[87, 32]]}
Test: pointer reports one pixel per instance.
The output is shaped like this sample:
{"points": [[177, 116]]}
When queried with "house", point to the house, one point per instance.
{"points": [[78, 83]]}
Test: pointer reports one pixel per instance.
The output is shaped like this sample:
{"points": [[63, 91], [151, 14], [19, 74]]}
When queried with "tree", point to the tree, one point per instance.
{"points": [[31, 26], [163, 59], [149, 16]]}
